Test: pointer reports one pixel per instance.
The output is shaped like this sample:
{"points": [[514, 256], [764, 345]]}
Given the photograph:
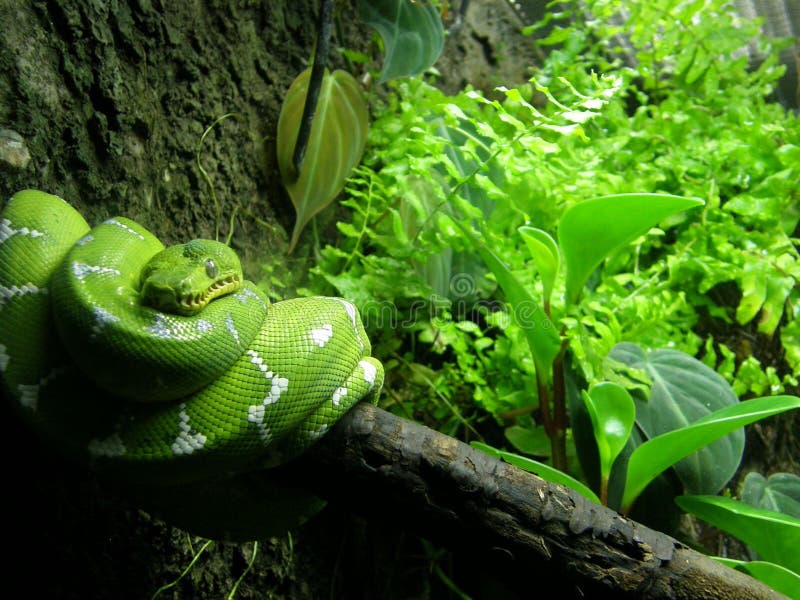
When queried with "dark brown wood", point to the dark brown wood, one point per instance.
{"points": [[537, 534]]}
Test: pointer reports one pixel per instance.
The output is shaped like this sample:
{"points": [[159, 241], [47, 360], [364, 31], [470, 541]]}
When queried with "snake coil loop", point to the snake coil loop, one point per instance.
{"points": [[236, 384]]}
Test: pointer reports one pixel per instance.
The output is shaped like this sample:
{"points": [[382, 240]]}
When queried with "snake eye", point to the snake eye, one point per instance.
{"points": [[211, 268]]}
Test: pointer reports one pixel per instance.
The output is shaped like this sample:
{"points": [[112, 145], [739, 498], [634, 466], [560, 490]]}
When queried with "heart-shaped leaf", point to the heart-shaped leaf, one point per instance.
{"points": [[775, 536], [683, 390], [612, 412], [412, 34], [335, 145], [779, 493], [663, 451], [590, 231], [546, 257]]}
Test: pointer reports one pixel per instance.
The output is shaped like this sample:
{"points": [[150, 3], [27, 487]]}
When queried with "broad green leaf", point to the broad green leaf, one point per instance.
{"points": [[540, 469], [546, 257], [775, 576], [457, 137], [779, 493], [754, 289], [790, 340], [412, 34], [335, 146], [778, 290], [661, 452], [612, 412], [683, 390], [526, 312], [590, 231], [775, 536], [530, 440]]}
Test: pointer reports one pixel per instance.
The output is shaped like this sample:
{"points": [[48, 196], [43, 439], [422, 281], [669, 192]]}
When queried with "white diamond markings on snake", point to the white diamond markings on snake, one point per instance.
{"points": [[318, 433], [125, 227], [85, 240], [102, 318], [338, 395], [29, 393], [255, 415], [370, 372], [160, 327], [321, 335], [188, 440], [232, 329], [350, 309], [277, 385], [7, 293], [81, 270], [109, 447], [6, 231]]}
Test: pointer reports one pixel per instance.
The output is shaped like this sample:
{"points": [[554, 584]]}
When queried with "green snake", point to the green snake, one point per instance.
{"points": [[156, 362]]}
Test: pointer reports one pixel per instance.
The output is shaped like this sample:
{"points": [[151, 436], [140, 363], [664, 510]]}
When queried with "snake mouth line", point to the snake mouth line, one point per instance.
{"points": [[219, 288]]}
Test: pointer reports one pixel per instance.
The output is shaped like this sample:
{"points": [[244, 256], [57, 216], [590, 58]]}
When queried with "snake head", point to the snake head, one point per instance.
{"points": [[183, 279]]}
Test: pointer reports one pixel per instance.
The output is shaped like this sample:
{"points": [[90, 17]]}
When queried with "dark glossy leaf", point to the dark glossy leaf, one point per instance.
{"points": [[661, 452], [780, 493], [412, 34], [335, 146], [684, 390], [529, 440]]}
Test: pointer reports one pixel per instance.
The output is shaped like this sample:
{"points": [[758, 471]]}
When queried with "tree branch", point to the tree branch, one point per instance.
{"points": [[534, 531]]}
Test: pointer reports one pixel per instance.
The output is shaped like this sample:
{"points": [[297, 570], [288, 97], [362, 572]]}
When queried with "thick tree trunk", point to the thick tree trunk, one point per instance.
{"points": [[535, 532]]}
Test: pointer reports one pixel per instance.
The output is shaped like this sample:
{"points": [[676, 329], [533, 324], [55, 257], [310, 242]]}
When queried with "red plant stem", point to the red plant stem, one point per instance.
{"points": [[560, 421], [544, 404]]}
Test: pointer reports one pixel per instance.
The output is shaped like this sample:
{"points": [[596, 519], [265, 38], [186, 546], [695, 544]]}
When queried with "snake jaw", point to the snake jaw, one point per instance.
{"points": [[194, 303]]}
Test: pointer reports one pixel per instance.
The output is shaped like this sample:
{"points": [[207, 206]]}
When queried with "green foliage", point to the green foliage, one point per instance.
{"points": [[590, 231], [546, 258], [412, 34], [779, 493], [612, 412], [663, 451], [474, 188], [683, 391], [775, 576], [526, 312], [540, 469], [767, 519], [773, 535], [335, 145]]}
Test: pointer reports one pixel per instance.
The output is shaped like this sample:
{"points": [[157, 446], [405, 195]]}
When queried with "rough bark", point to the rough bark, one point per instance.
{"points": [[390, 468]]}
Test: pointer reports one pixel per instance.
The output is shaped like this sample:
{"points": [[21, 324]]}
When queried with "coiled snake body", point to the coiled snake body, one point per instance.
{"points": [[165, 363]]}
